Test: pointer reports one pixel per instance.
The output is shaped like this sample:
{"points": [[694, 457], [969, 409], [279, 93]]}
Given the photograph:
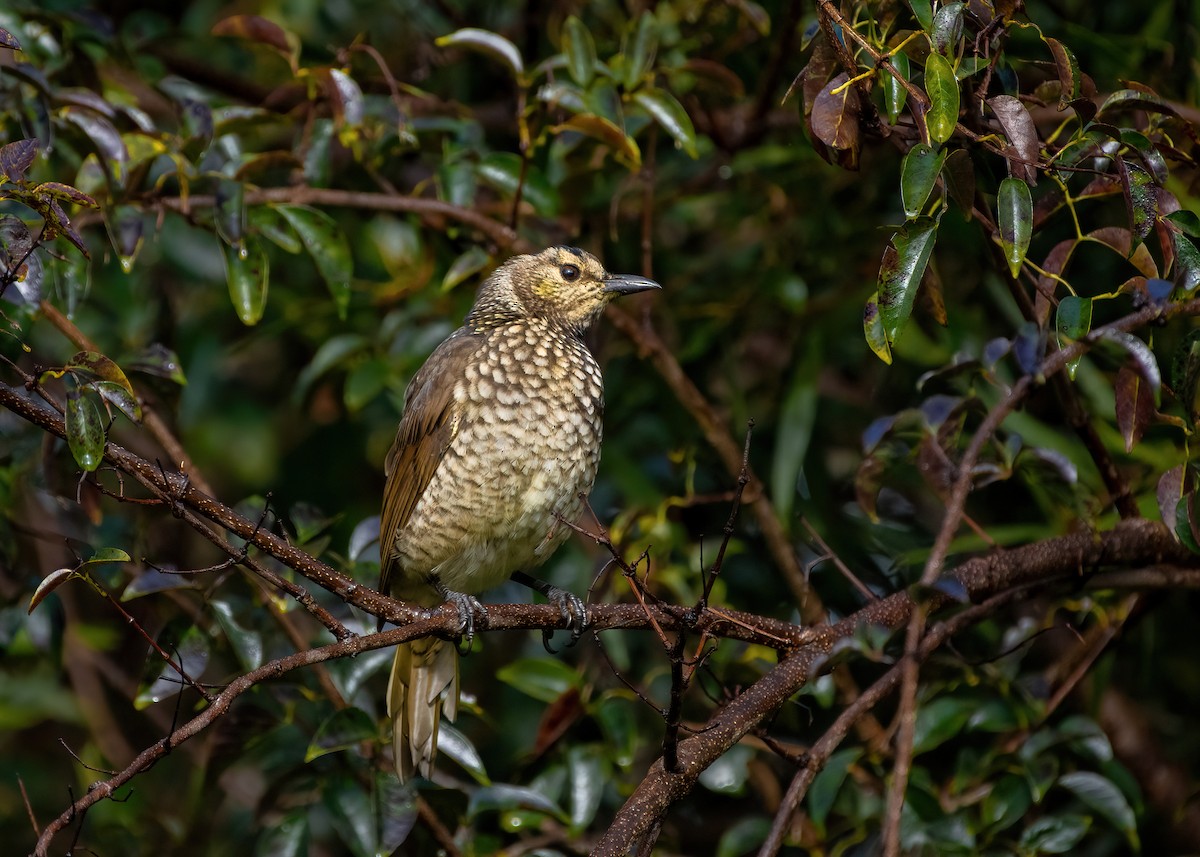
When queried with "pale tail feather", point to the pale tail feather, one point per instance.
{"points": [[423, 686]]}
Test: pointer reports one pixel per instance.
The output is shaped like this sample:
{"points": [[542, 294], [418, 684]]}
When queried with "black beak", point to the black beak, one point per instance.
{"points": [[628, 284]]}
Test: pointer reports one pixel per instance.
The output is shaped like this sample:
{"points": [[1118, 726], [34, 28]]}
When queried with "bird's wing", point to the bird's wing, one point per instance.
{"points": [[424, 435]]}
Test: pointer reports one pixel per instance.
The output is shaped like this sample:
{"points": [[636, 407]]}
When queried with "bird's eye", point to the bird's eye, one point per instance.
{"points": [[570, 273]]}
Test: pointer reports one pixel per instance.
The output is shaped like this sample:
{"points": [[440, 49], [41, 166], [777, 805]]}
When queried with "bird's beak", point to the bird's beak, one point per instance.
{"points": [[628, 284]]}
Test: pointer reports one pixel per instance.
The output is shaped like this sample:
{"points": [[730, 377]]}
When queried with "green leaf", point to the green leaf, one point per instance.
{"points": [[1006, 803], [506, 797], [588, 774], [942, 88], [502, 170], [1103, 797], [191, 654], [85, 430], [1185, 374], [580, 51], [900, 273], [918, 174], [827, 784], [287, 837], [947, 28], [729, 773], [669, 113], [106, 378], [229, 210], [599, 128], [328, 247], [923, 12], [160, 361], [743, 836], [489, 43], [1069, 75], [1073, 321], [796, 421], [939, 721], [1014, 216], [873, 331], [894, 93], [365, 382], [246, 642], [1054, 834], [541, 678], [456, 746], [247, 272], [639, 50], [1141, 197], [344, 729], [352, 811], [473, 260]]}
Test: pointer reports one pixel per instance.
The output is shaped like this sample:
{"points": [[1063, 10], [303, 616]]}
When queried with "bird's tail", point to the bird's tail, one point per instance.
{"points": [[423, 686]]}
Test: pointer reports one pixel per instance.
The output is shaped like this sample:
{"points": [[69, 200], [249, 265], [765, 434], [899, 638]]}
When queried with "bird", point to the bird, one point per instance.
{"points": [[498, 443]]}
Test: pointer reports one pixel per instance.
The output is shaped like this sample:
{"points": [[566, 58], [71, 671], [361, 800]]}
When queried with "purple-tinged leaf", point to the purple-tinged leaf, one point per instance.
{"points": [[8, 40], [16, 158], [1134, 406], [1171, 488], [835, 115], [1141, 355], [1068, 71], [1019, 129]]}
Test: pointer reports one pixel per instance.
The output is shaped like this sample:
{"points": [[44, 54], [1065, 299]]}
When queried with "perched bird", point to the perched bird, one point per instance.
{"points": [[499, 437]]}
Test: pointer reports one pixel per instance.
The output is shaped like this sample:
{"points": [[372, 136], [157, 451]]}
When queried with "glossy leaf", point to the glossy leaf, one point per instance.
{"points": [[1185, 374], [939, 721], [16, 158], [229, 212], [1141, 200], [1187, 262], [639, 50], [328, 246], [1069, 74], [1170, 489], [900, 273], [505, 797], [470, 262], [599, 128], [942, 88], [458, 747], [158, 360], [587, 778], [489, 43], [1022, 136], [923, 11], [1014, 217], [835, 114], [191, 654], [918, 174], [1073, 321], [1141, 355], [258, 29], [246, 642], [48, 584], [247, 273], [873, 330], [342, 730], [894, 93], [85, 430], [947, 28], [542, 679], [670, 115], [1103, 797], [580, 51], [1055, 834]]}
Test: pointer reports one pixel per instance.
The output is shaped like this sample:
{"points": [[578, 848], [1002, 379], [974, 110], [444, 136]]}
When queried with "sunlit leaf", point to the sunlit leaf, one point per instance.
{"points": [[489, 43], [669, 114], [328, 246], [1014, 217], [900, 273], [942, 88]]}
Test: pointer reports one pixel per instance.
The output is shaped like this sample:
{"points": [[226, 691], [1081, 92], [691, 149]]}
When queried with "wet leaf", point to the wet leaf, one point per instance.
{"points": [[1014, 210], [1068, 71], [918, 174], [191, 655], [1141, 201], [947, 28], [328, 247], [489, 43], [580, 51], [942, 88], [873, 330], [958, 173], [903, 265], [670, 115], [1187, 262], [1022, 135], [1135, 406], [247, 273], [1073, 321], [85, 430]]}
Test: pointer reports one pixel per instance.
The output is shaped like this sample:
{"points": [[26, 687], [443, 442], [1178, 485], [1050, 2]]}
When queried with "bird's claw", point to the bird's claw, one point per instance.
{"points": [[465, 605], [574, 613]]}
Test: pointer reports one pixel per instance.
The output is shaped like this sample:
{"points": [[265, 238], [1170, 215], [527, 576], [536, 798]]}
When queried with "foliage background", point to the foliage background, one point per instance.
{"points": [[767, 254]]}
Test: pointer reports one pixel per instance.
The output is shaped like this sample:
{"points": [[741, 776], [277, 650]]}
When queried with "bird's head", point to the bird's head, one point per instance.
{"points": [[564, 286]]}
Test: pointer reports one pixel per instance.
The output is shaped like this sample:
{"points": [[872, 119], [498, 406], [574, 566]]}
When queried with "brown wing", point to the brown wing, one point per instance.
{"points": [[422, 438]]}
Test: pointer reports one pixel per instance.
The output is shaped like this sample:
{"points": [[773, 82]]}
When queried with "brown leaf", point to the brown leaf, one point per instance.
{"points": [[16, 158], [1019, 129], [256, 29], [557, 719], [1135, 406], [1171, 487], [835, 114]]}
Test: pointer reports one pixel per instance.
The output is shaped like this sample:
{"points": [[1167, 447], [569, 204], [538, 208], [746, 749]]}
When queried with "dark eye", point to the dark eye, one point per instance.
{"points": [[570, 273]]}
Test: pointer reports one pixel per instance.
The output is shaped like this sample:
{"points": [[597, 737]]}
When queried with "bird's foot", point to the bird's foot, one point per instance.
{"points": [[570, 605], [466, 605]]}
